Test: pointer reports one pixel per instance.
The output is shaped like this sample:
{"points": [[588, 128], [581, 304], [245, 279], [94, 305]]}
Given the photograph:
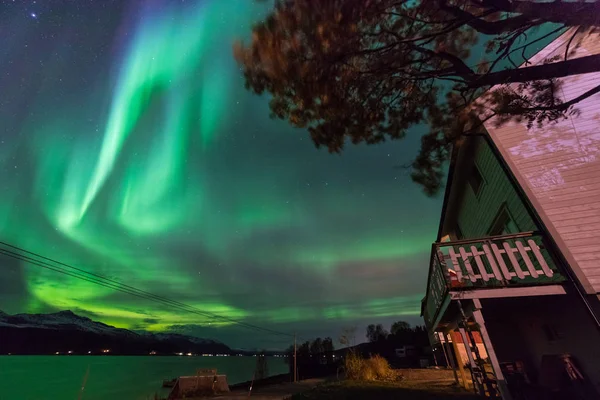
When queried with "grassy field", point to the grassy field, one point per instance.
{"points": [[415, 384]]}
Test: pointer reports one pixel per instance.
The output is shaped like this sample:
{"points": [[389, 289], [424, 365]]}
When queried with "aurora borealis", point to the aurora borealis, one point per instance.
{"points": [[130, 148]]}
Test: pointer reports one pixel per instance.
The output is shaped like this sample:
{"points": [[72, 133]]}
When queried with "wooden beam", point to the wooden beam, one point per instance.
{"points": [[544, 290]]}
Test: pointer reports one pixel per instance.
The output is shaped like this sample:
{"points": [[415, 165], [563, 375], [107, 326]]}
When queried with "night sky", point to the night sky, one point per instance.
{"points": [[130, 148]]}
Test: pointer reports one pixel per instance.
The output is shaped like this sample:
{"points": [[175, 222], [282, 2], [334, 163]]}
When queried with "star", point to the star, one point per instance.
{"points": [[172, 118]]}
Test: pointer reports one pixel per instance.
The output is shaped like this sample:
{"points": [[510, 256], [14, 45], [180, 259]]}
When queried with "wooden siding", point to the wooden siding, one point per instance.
{"points": [[558, 166], [477, 213]]}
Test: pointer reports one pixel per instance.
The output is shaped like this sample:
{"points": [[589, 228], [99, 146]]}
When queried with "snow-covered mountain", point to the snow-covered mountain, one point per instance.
{"points": [[63, 320], [67, 331], [178, 336]]}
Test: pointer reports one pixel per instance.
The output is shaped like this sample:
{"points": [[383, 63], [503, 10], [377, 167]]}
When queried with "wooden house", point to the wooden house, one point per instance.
{"points": [[517, 255]]}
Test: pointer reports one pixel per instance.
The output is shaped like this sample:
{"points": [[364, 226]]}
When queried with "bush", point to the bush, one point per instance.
{"points": [[380, 367], [370, 369], [354, 365]]}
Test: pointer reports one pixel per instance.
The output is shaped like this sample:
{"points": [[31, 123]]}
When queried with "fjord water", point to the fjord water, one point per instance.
{"points": [[111, 377]]}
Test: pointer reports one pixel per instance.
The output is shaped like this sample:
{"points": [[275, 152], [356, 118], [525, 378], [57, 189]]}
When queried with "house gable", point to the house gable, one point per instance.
{"points": [[478, 212], [473, 212]]}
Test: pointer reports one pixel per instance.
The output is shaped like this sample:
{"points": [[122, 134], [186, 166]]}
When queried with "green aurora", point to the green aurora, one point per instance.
{"points": [[130, 148]]}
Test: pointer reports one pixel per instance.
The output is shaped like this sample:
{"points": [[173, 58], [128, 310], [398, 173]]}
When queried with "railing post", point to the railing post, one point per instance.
{"points": [[441, 265], [437, 286]]}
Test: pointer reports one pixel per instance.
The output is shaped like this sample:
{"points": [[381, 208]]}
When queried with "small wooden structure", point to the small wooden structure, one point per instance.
{"points": [[206, 382]]}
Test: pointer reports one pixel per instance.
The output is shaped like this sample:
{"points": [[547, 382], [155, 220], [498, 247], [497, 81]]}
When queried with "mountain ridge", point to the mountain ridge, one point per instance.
{"points": [[65, 331]]}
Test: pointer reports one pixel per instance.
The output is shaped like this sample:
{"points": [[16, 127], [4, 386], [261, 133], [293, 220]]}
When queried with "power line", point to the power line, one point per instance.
{"points": [[91, 277], [138, 293]]}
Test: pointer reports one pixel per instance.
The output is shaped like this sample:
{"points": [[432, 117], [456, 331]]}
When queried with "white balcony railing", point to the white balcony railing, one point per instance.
{"points": [[487, 261], [499, 261]]}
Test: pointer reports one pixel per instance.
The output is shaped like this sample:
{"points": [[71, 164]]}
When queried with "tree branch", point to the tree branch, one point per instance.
{"points": [[487, 27], [573, 13], [451, 25], [577, 66], [461, 68], [526, 45], [507, 50]]}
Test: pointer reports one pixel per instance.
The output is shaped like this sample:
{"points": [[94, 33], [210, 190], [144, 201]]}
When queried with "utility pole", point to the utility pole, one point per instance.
{"points": [[295, 367]]}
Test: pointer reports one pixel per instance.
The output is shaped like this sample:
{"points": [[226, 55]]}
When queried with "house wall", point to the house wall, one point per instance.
{"points": [[516, 329], [558, 165], [477, 213]]}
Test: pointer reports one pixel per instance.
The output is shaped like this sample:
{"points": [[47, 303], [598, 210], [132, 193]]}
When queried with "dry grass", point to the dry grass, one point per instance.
{"points": [[429, 374], [355, 390], [381, 368], [417, 384], [375, 368], [353, 366]]}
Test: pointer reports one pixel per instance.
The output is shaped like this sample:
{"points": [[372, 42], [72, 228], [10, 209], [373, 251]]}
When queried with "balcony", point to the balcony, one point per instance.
{"points": [[519, 260]]}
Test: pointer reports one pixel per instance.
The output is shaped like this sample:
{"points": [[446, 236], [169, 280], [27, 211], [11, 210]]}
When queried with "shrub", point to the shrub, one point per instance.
{"points": [[380, 367], [371, 369], [354, 365]]}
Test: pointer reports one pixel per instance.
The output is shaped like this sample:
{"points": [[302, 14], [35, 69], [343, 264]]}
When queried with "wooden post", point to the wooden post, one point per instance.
{"points": [[443, 341], [434, 356], [472, 363], [502, 386], [449, 360], [295, 365], [468, 349], [459, 361]]}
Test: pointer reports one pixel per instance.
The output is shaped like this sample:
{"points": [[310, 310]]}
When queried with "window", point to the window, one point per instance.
{"points": [[475, 180], [503, 223]]}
